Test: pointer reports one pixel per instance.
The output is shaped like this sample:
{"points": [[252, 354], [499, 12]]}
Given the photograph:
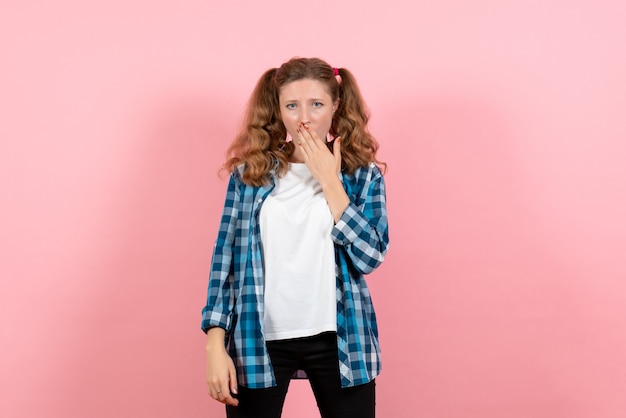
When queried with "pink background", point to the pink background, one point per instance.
{"points": [[504, 291]]}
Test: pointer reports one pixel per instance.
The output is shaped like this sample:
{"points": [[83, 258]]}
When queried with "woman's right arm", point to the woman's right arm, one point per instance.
{"points": [[221, 375], [218, 311], [217, 314]]}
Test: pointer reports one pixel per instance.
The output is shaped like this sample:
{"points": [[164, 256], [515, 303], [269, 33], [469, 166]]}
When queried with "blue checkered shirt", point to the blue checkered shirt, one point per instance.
{"points": [[235, 294]]}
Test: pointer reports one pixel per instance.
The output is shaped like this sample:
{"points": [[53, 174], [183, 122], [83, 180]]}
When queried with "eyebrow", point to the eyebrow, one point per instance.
{"points": [[312, 100]]}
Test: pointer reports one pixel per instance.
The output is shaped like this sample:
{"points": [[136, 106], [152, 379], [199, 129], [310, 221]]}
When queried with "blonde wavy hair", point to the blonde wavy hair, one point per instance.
{"points": [[260, 145]]}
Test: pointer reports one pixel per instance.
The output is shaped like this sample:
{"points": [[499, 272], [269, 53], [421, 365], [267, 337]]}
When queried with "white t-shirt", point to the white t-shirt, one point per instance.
{"points": [[299, 258]]}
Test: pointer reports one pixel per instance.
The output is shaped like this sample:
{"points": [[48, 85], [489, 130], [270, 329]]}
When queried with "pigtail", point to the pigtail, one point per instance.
{"points": [[256, 145], [358, 145]]}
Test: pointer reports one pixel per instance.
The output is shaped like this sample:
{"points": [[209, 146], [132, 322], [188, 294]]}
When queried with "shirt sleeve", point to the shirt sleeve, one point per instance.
{"points": [[220, 299], [362, 229]]}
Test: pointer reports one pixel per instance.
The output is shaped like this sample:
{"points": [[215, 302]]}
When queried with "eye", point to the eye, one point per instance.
{"points": [[290, 106], [318, 104]]}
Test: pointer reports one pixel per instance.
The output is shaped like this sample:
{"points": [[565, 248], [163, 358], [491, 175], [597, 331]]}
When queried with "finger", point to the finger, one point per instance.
{"points": [[220, 389], [304, 135], [232, 380], [215, 393], [310, 137], [304, 142], [337, 152], [222, 394], [337, 147], [298, 139], [228, 399]]}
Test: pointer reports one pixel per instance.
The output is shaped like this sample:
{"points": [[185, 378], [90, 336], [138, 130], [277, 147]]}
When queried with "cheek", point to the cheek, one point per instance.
{"points": [[323, 125], [327, 120], [290, 124], [287, 120]]}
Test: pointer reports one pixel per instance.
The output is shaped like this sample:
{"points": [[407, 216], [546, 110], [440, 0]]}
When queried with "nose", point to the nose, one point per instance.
{"points": [[303, 116]]}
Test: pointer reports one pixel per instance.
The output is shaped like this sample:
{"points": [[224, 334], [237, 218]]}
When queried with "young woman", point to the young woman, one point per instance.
{"points": [[304, 220]]}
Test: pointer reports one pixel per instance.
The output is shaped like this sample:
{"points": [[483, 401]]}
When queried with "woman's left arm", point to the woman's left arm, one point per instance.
{"points": [[361, 219], [362, 229]]}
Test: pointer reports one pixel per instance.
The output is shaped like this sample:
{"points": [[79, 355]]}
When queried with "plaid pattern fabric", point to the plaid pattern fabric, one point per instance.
{"points": [[235, 294]]}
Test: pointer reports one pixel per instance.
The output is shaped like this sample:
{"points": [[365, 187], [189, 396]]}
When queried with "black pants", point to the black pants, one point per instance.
{"points": [[317, 356]]}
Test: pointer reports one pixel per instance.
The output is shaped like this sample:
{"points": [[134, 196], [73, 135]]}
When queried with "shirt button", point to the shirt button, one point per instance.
{"points": [[260, 200]]}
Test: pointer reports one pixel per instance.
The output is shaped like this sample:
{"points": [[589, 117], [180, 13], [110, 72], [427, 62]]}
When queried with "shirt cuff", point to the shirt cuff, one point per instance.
{"points": [[349, 226]]}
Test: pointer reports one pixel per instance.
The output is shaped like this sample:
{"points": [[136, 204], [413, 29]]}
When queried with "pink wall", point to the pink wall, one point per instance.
{"points": [[504, 292]]}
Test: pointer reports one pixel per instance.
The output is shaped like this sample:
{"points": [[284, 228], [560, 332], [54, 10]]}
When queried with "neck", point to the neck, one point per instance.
{"points": [[297, 156]]}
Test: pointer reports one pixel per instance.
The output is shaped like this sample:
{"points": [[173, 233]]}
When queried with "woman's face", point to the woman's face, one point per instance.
{"points": [[306, 101]]}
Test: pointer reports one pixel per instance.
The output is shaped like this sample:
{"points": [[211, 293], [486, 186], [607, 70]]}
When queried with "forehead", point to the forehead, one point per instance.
{"points": [[304, 89]]}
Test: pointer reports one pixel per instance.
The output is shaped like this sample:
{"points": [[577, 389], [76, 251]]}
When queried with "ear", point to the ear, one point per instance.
{"points": [[335, 105]]}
